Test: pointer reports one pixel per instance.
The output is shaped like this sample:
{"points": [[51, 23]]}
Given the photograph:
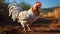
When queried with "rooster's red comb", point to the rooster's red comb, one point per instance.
{"points": [[38, 3]]}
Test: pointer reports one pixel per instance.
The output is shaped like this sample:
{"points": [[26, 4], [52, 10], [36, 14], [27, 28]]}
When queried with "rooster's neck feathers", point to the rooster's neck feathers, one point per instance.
{"points": [[32, 9]]}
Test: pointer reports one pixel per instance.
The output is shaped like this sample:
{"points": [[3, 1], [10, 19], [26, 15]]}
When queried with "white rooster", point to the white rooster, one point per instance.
{"points": [[26, 18]]}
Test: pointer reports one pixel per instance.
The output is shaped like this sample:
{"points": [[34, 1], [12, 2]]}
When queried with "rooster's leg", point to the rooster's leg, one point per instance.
{"points": [[23, 25], [29, 29], [24, 28]]}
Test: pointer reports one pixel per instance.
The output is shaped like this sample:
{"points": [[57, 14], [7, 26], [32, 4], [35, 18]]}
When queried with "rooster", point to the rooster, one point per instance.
{"points": [[26, 18]]}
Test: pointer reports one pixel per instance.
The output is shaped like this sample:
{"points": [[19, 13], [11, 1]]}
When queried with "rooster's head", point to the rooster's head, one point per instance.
{"points": [[36, 8]]}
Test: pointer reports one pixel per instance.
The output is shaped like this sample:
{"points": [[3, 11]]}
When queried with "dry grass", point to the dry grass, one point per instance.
{"points": [[55, 13]]}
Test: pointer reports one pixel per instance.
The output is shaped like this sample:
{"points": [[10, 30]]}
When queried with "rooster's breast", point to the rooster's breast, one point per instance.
{"points": [[25, 16]]}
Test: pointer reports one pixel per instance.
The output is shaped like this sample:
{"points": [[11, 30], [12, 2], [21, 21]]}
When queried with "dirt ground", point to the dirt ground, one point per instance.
{"points": [[18, 30], [41, 26]]}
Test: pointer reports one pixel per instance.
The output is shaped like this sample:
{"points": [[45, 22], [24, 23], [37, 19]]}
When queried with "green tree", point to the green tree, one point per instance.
{"points": [[3, 8], [25, 6]]}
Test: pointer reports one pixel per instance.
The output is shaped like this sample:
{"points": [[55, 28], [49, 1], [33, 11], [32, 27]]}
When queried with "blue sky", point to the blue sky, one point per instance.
{"points": [[45, 3]]}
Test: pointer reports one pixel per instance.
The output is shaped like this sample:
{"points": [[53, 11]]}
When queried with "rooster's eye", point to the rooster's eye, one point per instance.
{"points": [[37, 8]]}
